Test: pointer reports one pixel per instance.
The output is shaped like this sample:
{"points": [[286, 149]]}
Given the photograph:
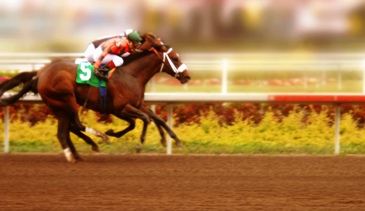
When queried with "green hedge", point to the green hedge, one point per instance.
{"points": [[286, 135]]}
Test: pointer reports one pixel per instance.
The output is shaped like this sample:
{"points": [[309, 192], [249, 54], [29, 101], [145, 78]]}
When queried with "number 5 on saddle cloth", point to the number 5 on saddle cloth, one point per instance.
{"points": [[86, 75]]}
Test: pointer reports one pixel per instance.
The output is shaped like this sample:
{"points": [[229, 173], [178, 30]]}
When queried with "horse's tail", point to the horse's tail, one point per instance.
{"points": [[21, 78], [30, 84]]}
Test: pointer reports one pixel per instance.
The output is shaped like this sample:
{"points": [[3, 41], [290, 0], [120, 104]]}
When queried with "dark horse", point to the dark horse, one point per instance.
{"points": [[125, 93], [26, 79]]}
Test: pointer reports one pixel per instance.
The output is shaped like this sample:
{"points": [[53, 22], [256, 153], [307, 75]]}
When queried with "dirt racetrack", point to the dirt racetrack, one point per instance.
{"points": [[177, 182]]}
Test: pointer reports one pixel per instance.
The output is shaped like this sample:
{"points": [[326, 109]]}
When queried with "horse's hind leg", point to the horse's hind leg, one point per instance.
{"points": [[78, 126], [86, 138], [63, 137], [77, 123], [73, 149]]}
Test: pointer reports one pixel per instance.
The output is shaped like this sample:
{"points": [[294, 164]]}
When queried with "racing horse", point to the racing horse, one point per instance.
{"points": [[125, 92], [25, 78]]}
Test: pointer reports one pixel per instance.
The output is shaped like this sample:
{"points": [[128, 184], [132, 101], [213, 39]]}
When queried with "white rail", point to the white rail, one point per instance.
{"points": [[213, 61]]}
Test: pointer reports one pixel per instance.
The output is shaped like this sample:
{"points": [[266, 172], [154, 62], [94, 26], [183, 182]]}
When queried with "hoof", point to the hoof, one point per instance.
{"points": [[139, 148], [163, 142], [179, 144], [78, 158], [109, 132], [69, 156], [2, 103], [74, 160], [95, 148], [106, 139]]}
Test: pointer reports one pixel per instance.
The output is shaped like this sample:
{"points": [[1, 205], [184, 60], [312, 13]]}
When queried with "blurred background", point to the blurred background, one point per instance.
{"points": [[190, 25]]}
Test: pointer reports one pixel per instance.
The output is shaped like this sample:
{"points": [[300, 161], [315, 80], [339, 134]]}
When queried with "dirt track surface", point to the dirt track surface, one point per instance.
{"points": [[162, 182]]}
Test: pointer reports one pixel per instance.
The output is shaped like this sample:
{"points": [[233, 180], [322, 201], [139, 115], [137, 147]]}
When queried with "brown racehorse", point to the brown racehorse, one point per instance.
{"points": [[125, 92], [26, 79]]}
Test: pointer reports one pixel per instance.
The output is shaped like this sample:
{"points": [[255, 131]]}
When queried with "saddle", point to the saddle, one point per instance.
{"points": [[86, 75]]}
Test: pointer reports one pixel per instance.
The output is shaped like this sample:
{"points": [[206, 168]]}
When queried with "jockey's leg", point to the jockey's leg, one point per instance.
{"points": [[112, 61], [96, 54], [89, 52]]}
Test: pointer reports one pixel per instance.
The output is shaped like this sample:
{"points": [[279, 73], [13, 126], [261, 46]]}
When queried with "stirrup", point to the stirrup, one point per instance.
{"points": [[101, 76]]}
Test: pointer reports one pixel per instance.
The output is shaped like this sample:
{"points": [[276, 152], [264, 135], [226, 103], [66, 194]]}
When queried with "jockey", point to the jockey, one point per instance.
{"points": [[89, 52], [110, 50]]}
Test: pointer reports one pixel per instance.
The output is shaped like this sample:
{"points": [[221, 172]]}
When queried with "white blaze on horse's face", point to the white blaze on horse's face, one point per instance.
{"points": [[178, 70]]}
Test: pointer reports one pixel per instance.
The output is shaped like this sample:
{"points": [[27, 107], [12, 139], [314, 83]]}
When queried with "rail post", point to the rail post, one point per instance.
{"points": [[169, 120], [224, 76], [363, 77], [6, 130], [337, 129], [339, 77]]}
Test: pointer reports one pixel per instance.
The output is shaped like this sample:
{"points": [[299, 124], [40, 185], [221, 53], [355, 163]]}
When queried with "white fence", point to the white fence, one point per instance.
{"points": [[225, 63]]}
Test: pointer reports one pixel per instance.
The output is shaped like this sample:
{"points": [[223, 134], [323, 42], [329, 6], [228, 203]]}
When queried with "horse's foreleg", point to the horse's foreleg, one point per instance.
{"points": [[158, 125], [161, 123], [135, 113], [161, 132], [131, 126], [130, 112]]}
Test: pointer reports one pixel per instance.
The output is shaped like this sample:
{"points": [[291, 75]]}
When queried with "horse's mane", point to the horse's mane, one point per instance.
{"points": [[131, 58], [136, 56]]}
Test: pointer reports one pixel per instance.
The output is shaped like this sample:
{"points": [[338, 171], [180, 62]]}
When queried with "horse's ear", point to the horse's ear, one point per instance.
{"points": [[151, 35], [164, 48]]}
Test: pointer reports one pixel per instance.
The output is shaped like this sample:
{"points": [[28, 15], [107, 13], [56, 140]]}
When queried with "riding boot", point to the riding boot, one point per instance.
{"points": [[102, 73]]}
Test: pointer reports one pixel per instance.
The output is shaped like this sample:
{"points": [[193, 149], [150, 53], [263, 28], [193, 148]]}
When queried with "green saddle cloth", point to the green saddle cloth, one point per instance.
{"points": [[86, 75]]}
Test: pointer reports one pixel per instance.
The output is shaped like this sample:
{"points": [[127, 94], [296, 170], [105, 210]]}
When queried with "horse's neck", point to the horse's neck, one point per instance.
{"points": [[143, 69]]}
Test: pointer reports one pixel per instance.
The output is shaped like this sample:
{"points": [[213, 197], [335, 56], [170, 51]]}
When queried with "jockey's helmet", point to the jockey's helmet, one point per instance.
{"points": [[134, 37]]}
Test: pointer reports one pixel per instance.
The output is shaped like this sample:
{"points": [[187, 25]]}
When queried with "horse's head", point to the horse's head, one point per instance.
{"points": [[171, 63]]}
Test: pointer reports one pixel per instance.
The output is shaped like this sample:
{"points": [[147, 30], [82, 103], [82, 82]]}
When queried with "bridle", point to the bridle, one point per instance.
{"points": [[172, 65]]}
